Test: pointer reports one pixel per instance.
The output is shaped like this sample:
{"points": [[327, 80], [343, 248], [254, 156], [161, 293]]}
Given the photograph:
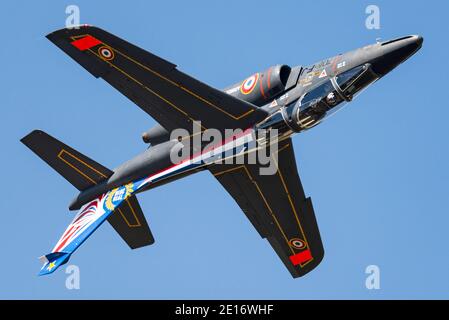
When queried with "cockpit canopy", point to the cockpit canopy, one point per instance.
{"points": [[323, 100], [344, 86], [354, 80]]}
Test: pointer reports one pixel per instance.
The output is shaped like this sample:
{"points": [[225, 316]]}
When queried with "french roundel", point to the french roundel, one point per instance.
{"points": [[297, 243], [106, 53], [249, 84]]}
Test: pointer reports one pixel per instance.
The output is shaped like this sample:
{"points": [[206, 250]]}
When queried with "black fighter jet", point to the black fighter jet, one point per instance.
{"points": [[280, 101]]}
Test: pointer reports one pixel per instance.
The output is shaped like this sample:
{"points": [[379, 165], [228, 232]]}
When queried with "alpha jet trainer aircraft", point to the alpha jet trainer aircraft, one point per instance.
{"points": [[289, 99]]}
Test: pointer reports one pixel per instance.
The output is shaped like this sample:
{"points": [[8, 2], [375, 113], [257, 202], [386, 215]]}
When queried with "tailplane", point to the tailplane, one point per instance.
{"points": [[81, 171]]}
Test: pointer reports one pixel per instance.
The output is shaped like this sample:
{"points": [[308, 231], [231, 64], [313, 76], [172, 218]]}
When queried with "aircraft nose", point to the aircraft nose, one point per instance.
{"points": [[419, 40], [396, 51]]}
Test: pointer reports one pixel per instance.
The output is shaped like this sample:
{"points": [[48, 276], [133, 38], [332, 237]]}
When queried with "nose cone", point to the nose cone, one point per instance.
{"points": [[394, 52]]}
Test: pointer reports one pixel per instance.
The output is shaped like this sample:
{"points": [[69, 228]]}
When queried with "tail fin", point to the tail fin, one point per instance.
{"points": [[52, 261], [86, 221], [81, 171]]}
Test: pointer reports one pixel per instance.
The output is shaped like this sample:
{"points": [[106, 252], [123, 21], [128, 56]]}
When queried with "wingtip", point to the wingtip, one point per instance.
{"points": [[53, 35], [31, 134]]}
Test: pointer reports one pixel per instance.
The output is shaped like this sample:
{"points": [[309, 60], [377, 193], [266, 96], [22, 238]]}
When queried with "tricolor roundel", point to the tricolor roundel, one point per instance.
{"points": [[106, 53], [249, 84], [297, 243]]}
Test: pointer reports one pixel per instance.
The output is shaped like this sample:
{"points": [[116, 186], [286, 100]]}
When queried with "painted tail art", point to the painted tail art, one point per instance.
{"points": [[86, 221], [83, 173]]}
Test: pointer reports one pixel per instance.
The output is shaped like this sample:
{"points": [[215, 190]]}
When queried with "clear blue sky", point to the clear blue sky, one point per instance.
{"points": [[377, 172]]}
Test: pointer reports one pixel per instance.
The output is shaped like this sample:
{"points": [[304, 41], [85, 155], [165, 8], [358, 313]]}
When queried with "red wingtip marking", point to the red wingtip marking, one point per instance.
{"points": [[301, 257], [86, 43]]}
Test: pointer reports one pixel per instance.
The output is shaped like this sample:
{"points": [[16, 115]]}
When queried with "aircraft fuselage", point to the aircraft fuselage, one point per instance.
{"points": [[297, 99]]}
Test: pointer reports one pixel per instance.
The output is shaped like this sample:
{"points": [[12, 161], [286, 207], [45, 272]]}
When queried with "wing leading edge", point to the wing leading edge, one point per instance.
{"points": [[170, 96], [277, 207]]}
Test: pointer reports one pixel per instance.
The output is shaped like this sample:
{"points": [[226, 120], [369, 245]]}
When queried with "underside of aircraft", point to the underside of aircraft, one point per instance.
{"points": [[282, 99]]}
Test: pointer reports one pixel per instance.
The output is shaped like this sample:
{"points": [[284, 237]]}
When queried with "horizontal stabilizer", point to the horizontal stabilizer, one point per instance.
{"points": [[81, 171], [130, 223]]}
